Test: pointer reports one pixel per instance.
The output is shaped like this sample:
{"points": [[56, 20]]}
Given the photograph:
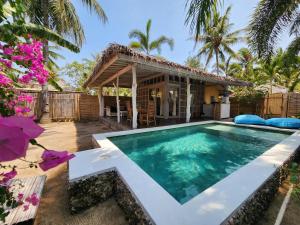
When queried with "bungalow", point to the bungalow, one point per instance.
{"points": [[172, 90]]}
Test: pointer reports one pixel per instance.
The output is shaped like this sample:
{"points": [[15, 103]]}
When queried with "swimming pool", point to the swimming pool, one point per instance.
{"points": [[185, 161]]}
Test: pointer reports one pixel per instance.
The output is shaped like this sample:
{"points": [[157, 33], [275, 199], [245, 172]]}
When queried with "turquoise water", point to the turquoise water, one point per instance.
{"points": [[186, 161]]}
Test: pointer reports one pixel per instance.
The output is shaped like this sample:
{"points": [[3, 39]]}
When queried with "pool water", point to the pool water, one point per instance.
{"points": [[186, 161]]}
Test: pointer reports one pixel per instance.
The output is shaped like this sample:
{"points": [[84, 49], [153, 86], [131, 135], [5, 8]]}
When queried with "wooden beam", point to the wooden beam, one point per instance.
{"points": [[188, 100], [117, 74], [134, 91], [150, 77], [166, 98], [104, 67]]}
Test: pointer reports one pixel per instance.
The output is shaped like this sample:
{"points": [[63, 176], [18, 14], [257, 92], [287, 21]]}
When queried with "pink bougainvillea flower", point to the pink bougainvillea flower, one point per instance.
{"points": [[4, 80], [8, 176], [28, 126], [33, 199], [17, 58], [26, 207], [21, 110], [8, 51], [13, 143], [20, 197], [6, 62], [52, 158], [25, 98]]}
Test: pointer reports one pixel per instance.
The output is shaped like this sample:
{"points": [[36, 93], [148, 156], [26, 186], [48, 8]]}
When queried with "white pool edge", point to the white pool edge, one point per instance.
{"points": [[212, 206]]}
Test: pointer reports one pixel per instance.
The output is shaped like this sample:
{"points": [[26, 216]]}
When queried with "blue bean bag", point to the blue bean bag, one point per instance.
{"points": [[249, 119], [292, 123]]}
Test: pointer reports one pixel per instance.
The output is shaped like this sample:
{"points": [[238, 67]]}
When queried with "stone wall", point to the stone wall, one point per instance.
{"points": [[256, 205], [133, 211], [90, 191]]}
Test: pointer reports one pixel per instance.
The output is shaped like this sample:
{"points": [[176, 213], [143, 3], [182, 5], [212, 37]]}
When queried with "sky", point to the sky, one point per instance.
{"points": [[167, 16]]}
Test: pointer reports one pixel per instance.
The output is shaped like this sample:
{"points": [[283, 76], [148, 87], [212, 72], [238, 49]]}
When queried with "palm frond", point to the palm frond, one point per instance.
{"points": [[53, 83], [36, 31], [141, 37], [148, 27], [65, 20], [93, 5], [135, 44], [296, 25], [156, 44], [268, 21], [294, 48], [197, 14]]}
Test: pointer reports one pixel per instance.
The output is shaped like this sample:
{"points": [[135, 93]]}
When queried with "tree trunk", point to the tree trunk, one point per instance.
{"points": [[45, 118], [217, 60]]}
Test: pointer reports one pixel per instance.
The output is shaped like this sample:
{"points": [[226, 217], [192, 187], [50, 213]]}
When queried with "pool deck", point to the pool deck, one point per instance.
{"points": [[213, 206]]}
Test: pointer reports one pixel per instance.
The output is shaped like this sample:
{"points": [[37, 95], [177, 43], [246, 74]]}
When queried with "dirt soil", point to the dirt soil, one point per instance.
{"points": [[292, 214], [53, 208]]}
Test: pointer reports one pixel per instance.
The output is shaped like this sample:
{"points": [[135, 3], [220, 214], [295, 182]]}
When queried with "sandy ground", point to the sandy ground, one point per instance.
{"points": [[53, 209]]}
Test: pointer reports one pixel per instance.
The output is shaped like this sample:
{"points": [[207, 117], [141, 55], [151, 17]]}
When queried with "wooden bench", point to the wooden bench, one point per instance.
{"points": [[28, 186]]}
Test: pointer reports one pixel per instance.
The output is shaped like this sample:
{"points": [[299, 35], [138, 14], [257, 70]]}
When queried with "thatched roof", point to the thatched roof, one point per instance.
{"points": [[129, 55]]}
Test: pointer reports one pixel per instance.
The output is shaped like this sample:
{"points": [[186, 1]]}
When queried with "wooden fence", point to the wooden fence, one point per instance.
{"points": [[35, 105], [65, 106], [88, 107], [274, 105]]}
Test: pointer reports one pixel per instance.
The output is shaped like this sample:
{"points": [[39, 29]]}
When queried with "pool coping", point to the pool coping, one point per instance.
{"points": [[212, 206]]}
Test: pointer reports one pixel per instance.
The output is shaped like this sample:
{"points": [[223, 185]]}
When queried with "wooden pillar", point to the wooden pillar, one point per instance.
{"points": [[118, 101], [101, 102], [179, 99], [188, 100], [166, 98], [134, 91]]}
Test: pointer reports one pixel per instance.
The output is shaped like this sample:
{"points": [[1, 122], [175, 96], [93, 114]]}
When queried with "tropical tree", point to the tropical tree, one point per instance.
{"points": [[270, 69], [289, 71], [78, 72], [197, 13], [217, 37], [62, 18], [193, 62], [225, 66], [247, 61], [13, 26], [269, 20], [144, 43]]}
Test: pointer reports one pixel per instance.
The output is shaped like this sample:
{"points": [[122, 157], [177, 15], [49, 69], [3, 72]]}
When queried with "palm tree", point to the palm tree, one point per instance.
{"points": [[13, 26], [247, 61], [193, 62], [61, 17], [217, 37], [289, 70], [224, 66], [271, 69], [197, 13], [270, 18], [143, 42]]}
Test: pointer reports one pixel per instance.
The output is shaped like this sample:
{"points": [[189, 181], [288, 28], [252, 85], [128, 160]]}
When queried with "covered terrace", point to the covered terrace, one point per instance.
{"points": [[174, 90]]}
